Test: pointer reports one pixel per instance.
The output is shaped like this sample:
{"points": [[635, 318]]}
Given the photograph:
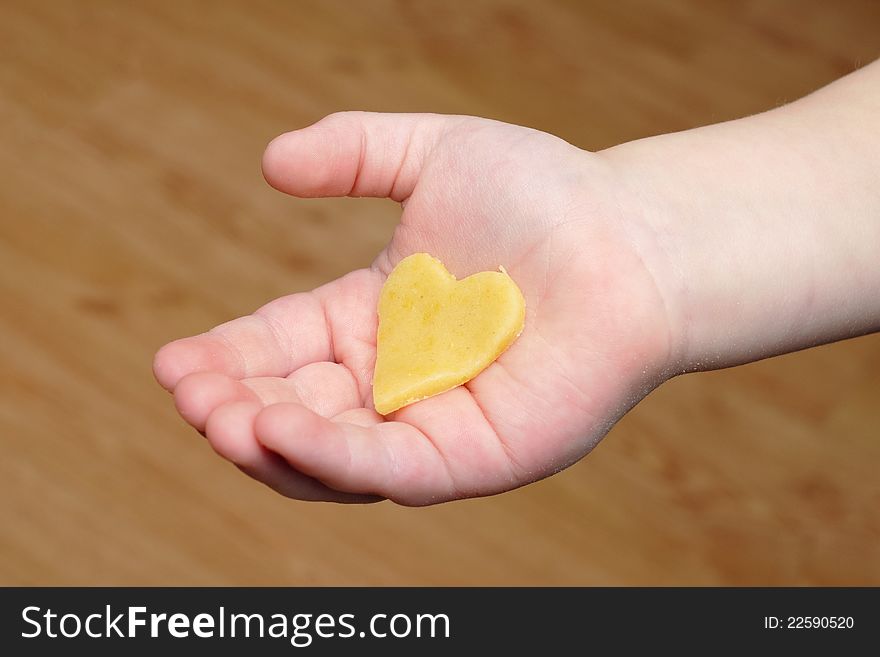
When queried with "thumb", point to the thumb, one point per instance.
{"points": [[354, 154]]}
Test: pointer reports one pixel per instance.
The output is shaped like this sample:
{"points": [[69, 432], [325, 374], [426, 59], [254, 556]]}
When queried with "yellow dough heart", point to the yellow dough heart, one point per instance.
{"points": [[436, 332]]}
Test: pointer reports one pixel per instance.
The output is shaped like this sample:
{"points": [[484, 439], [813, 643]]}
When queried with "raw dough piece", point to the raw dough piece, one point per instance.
{"points": [[436, 333]]}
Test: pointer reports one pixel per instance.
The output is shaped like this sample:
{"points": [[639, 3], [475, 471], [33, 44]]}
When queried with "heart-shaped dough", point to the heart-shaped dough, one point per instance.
{"points": [[436, 333]]}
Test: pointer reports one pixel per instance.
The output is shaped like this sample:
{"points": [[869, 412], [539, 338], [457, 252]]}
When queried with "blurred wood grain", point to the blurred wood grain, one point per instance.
{"points": [[132, 212]]}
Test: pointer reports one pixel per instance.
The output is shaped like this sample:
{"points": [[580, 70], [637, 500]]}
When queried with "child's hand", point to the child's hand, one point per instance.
{"points": [[689, 251], [285, 393]]}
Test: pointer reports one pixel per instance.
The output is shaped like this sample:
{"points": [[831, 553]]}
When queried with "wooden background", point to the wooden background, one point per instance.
{"points": [[132, 211]]}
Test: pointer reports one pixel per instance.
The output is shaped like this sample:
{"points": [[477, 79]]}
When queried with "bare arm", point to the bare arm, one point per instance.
{"points": [[767, 229]]}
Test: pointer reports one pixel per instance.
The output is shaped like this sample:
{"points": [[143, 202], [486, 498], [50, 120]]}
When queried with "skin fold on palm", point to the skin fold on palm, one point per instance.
{"points": [[285, 394]]}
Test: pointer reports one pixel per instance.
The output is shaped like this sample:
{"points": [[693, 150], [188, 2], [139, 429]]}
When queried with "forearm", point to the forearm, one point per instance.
{"points": [[765, 232]]}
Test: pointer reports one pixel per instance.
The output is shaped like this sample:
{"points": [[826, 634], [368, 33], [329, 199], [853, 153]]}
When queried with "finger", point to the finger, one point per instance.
{"points": [[278, 338], [230, 431], [354, 154], [390, 459], [326, 388], [197, 395]]}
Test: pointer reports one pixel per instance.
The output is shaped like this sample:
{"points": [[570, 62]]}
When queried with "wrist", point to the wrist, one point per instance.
{"points": [[762, 231]]}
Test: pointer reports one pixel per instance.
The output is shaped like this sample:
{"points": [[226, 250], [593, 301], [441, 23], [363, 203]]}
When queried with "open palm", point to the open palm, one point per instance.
{"points": [[285, 393]]}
